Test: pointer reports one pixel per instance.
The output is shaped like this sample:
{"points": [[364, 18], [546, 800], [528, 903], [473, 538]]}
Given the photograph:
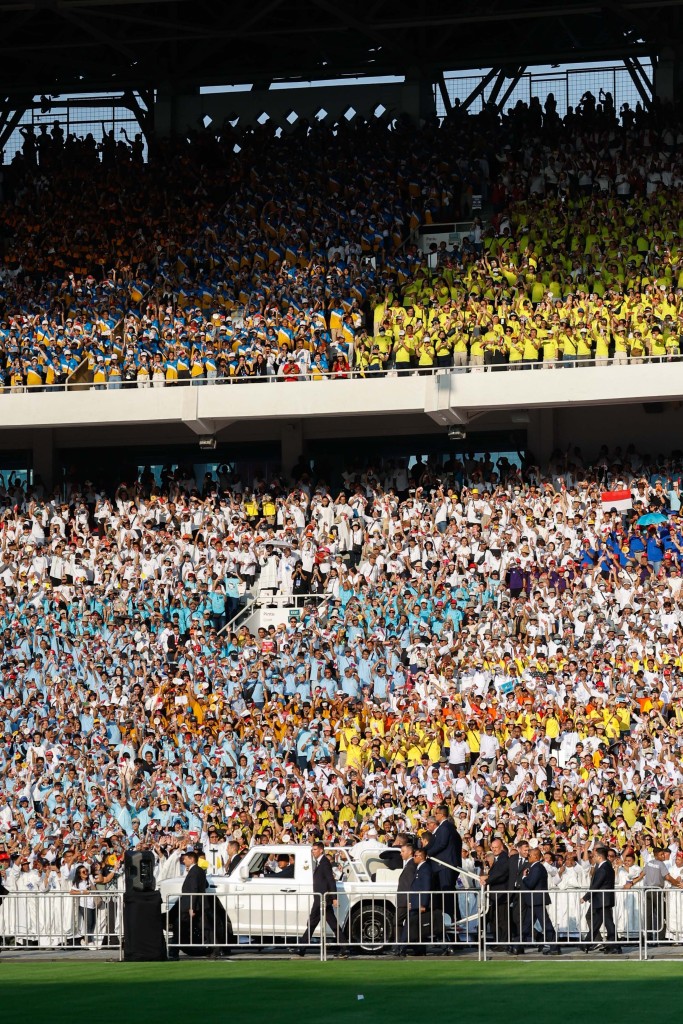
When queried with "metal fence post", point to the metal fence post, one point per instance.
{"points": [[120, 922], [323, 928], [643, 920]]}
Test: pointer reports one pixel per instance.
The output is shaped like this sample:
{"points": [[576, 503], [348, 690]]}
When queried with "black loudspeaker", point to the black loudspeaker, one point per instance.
{"points": [[139, 871], [143, 933]]}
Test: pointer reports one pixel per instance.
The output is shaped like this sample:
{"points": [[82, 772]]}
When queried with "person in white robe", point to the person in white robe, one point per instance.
{"points": [[572, 883], [627, 899], [27, 883], [674, 900]]}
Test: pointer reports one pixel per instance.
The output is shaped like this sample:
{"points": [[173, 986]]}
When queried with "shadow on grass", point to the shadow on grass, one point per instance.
{"points": [[296, 993]]}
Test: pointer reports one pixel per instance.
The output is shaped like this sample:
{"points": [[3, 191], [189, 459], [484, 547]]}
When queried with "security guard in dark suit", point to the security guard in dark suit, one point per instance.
{"points": [[199, 919], [518, 919], [187, 912], [403, 887], [601, 900], [418, 924], [324, 884], [537, 900], [497, 882], [445, 848]]}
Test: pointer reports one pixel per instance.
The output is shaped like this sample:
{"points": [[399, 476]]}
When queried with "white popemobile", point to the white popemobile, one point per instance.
{"points": [[266, 906]]}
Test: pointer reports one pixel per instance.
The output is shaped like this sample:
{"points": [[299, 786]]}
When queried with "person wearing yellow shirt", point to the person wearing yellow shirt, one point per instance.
{"points": [[115, 372], [383, 341], [99, 377], [347, 813], [356, 754], [426, 354], [473, 737], [602, 343], [251, 510], [402, 352], [629, 809], [143, 371], [559, 808], [584, 344], [361, 359], [269, 509], [343, 737], [442, 347], [566, 344], [34, 374], [412, 315], [183, 365], [197, 367], [551, 349], [414, 751], [656, 346], [432, 748], [620, 343], [459, 345], [636, 347], [552, 727], [531, 345], [497, 348], [477, 346]]}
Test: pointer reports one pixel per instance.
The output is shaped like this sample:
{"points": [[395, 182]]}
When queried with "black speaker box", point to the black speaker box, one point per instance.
{"points": [[139, 871], [143, 933]]}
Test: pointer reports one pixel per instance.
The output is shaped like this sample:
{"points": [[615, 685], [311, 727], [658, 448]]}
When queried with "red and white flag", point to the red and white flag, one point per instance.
{"points": [[620, 500]]}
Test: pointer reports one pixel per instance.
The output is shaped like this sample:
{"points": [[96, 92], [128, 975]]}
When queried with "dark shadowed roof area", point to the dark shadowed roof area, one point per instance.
{"points": [[73, 45]]}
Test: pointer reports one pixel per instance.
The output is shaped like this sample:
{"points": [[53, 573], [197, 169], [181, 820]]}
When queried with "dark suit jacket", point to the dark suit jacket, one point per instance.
{"points": [[234, 862], [323, 877], [516, 868], [499, 875], [421, 887], [536, 884], [446, 844], [602, 882], [405, 882], [194, 884], [287, 872]]}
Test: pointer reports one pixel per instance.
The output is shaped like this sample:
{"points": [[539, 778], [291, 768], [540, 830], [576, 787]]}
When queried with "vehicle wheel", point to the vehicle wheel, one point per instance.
{"points": [[372, 927]]}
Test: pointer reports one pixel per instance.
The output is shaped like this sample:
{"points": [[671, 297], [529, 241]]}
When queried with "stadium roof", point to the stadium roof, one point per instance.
{"points": [[66, 46]]}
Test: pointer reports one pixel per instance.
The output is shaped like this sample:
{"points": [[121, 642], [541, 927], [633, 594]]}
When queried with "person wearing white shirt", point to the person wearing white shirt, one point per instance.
{"points": [[489, 745], [458, 752]]}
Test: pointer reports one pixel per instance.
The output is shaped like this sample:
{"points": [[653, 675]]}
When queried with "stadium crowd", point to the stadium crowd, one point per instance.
{"points": [[496, 638], [239, 254]]}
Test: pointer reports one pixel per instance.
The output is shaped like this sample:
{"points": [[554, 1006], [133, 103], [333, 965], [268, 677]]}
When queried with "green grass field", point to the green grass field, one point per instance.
{"points": [[299, 993]]}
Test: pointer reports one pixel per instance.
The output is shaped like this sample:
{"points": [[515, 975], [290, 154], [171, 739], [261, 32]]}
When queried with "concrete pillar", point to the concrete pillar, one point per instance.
{"points": [[541, 434], [417, 97], [665, 74], [175, 112], [43, 458], [291, 445]]}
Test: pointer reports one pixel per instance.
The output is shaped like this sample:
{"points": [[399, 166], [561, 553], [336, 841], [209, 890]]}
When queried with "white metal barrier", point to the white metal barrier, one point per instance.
{"points": [[61, 920], [354, 373], [201, 924], [633, 921], [441, 923], [467, 921]]}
